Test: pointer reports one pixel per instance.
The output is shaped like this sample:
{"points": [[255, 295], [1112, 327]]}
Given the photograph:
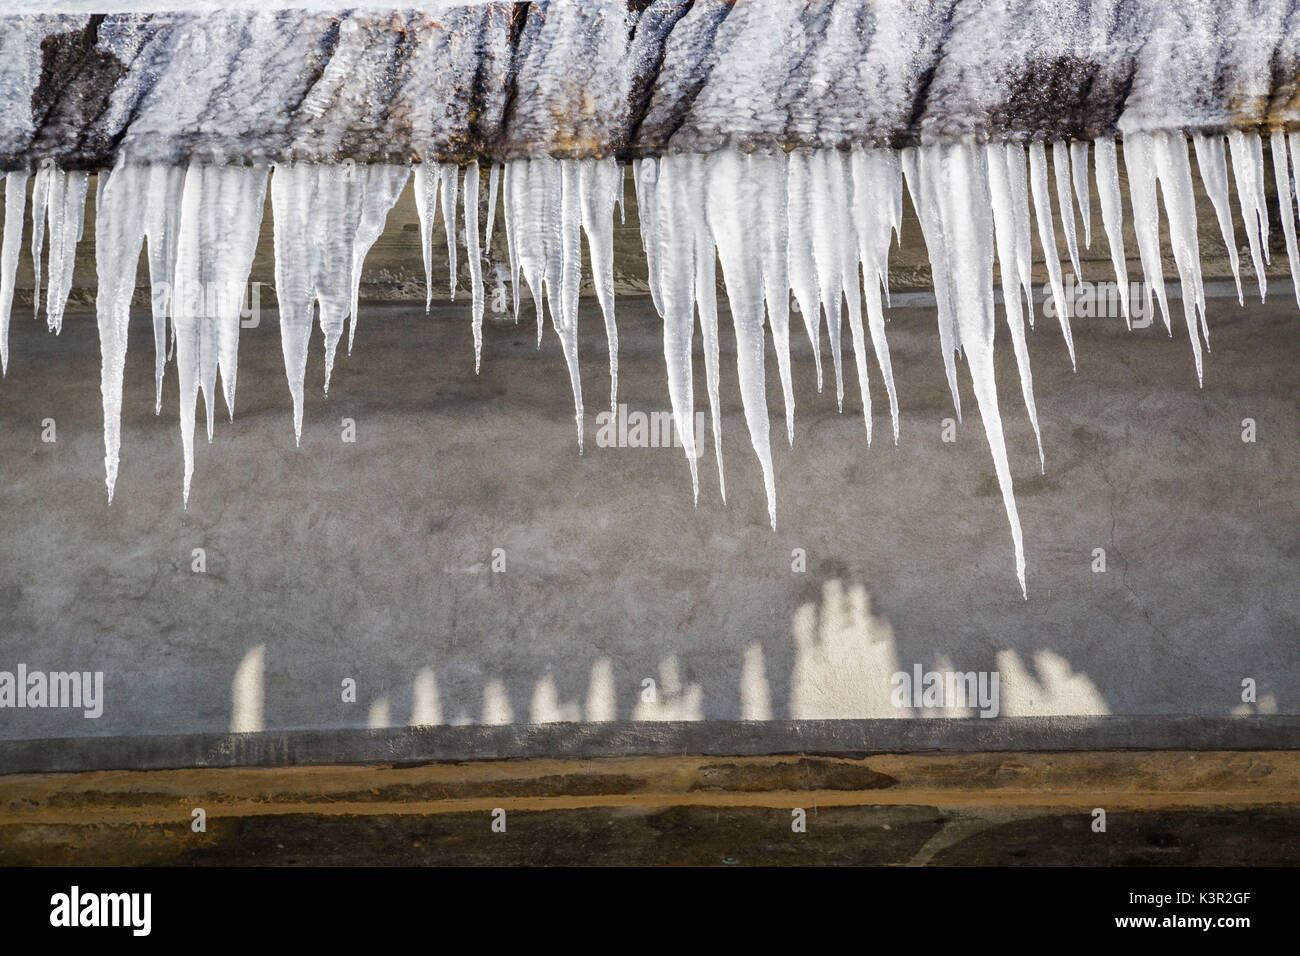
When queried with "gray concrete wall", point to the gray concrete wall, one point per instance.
{"points": [[371, 561]]}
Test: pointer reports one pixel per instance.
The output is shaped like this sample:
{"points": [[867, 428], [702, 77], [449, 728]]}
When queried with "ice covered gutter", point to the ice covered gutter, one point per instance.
{"points": [[437, 81], [770, 139]]}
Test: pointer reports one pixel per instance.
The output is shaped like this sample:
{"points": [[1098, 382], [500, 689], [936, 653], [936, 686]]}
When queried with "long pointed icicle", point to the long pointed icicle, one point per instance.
{"points": [[826, 255], [15, 207], [66, 209], [475, 260], [40, 210], [645, 179], [1082, 195], [922, 190], [769, 173], [1175, 175], [1005, 235], [800, 269], [1018, 182], [425, 181], [317, 212], [221, 217], [292, 186], [380, 188], [1282, 177], [544, 221], [162, 218], [569, 278], [702, 249], [1112, 218], [536, 195], [494, 186], [1293, 149], [962, 189], [450, 173], [877, 180], [1212, 161], [1047, 237], [838, 256], [1249, 190], [731, 203], [1065, 202], [600, 183], [512, 191], [121, 209], [336, 214], [1139, 163], [672, 234]]}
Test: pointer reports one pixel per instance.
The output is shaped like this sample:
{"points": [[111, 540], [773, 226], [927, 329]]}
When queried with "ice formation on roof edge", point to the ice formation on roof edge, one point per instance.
{"points": [[812, 224]]}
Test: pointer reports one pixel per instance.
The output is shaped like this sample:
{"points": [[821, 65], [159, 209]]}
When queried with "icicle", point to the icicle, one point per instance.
{"points": [[808, 174], [336, 218], [1175, 175], [600, 183], [770, 174], [836, 250], [1140, 165], [1005, 235], [826, 261], [618, 196], [544, 221], [877, 179], [964, 204], [921, 189], [475, 260], [1112, 218], [569, 249], [1293, 142], [1079, 166], [802, 272], [664, 202], [161, 228], [66, 209], [15, 206], [317, 214], [121, 209], [703, 251], [1047, 237], [40, 210], [645, 178], [494, 184], [1250, 185], [1282, 176], [512, 191], [1061, 170], [535, 195], [221, 216], [1018, 181], [1212, 161], [731, 204], [381, 185], [450, 173], [425, 185], [1256, 149], [292, 186]]}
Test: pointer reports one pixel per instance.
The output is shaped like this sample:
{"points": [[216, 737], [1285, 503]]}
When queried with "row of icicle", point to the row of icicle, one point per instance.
{"points": [[813, 224]]}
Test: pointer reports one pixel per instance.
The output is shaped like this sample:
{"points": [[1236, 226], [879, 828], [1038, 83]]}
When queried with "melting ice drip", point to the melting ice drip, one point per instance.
{"points": [[813, 223]]}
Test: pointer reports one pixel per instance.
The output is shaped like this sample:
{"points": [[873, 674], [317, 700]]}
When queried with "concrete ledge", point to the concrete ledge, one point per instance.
{"points": [[1203, 807], [705, 738]]}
